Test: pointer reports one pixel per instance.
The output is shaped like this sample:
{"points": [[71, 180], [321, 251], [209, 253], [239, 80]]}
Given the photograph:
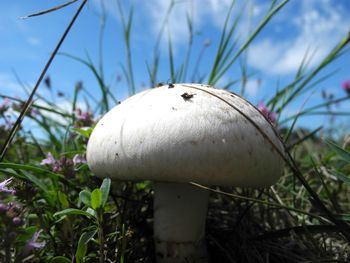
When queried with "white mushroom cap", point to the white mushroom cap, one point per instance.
{"points": [[186, 133]]}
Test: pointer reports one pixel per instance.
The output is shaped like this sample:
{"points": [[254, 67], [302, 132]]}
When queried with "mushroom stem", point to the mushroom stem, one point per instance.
{"points": [[179, 223]]}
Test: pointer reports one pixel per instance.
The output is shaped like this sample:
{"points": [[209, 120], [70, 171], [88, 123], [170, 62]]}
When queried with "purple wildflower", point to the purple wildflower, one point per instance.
{"points": [[33, 244], [16, 221], [63, 166], [78, 159], [66, 166], [50, 160], [346, 86], [3, 186], [270, 115], [83, 118]]}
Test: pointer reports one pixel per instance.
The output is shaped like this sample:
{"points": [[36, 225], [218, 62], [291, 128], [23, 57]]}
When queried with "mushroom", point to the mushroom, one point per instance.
{"points": [[181, 133]]}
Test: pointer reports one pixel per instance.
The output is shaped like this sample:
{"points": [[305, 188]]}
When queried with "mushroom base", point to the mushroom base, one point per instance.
{"points": [[179, 223]]}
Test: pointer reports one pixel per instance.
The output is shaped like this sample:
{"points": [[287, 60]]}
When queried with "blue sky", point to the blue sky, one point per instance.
{"points": [[273, 57]]}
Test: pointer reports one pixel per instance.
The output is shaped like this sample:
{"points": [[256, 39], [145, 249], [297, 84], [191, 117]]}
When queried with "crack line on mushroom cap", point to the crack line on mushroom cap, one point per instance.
{"points": [[249, 119]]}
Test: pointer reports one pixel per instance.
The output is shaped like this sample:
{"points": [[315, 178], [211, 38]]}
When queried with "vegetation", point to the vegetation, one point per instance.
{"points": [[53, 209]]}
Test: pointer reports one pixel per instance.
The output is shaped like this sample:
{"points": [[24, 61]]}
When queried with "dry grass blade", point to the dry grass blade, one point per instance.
{"points": [[49, 10], [298, 230], [257, 201], [26, 106]]}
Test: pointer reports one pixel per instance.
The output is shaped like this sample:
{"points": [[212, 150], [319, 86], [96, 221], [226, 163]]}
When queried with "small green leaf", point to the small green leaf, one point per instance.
{"points": [[82, 244], [105, 187], [91, 211], [60, 259], [142, 185], [84, 132], [72, 211], [62, 197], [85, 197], [87, 236], [81, 249], [344, 155], [96, 197]]}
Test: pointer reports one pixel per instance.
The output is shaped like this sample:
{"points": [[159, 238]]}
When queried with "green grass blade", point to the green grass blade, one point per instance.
{"points": [[343, 154], [213, 80], [326, 61]]}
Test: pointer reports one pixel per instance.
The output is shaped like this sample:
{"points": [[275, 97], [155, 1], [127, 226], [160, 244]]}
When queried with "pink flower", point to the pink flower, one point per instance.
{"points": [[346, 86], [33, 244], [3, 186], [270, 115]]}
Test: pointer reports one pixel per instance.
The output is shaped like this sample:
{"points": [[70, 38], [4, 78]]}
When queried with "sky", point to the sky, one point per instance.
{"points": [[273, 58]]}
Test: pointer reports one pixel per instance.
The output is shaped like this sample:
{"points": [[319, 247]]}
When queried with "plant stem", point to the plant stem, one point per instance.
{"points": [[29, 101], [7, 250], [100, 235]]}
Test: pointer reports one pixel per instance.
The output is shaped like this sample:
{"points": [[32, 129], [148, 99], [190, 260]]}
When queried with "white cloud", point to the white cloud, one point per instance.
{"points": [[319, 26], [202, 12], [300, 27]]}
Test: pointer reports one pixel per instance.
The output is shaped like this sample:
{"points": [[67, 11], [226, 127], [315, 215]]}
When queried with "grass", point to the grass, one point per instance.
{"points": [[73, 216]]}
